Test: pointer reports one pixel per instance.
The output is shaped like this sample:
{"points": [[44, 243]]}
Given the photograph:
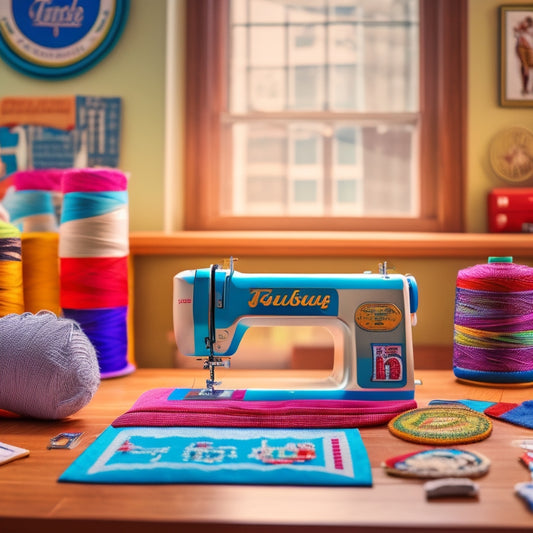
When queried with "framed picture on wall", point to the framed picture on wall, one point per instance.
{"points": [[516, 55]]}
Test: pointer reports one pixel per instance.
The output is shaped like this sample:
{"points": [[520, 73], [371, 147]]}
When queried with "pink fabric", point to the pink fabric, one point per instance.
{"points": [[154, 409]]}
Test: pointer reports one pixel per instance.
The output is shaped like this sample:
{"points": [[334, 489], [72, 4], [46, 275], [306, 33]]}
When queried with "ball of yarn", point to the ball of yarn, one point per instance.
{"points": [[48, 366]]}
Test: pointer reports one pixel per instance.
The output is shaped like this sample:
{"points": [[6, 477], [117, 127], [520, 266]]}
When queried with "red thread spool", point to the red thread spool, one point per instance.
{"points": [[94, 282]]}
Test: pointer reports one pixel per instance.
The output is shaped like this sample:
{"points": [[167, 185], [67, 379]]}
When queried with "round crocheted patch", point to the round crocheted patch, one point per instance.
{"points": [[441, 425], [438, 463]]}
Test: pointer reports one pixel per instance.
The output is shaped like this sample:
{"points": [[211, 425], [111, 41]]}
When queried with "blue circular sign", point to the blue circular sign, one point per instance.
{"points": [[59, 38]]}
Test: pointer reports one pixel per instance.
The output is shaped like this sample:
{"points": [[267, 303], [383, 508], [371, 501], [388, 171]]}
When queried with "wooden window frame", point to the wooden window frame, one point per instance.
{"points": [[443, 44]]}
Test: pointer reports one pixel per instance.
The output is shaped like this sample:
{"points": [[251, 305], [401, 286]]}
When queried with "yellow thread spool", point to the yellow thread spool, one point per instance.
{"points": [[11, 287], [40, 269]]}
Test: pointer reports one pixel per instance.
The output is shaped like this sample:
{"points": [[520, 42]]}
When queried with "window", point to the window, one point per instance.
{"points": [[325, 114]]}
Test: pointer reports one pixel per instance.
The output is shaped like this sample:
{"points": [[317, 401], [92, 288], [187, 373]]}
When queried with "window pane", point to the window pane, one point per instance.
{"points": [[305, 151], [390, 80], [389, 179], [292, 169], [347, 171], [267, 45], [262, 190], [306, 88], [360, 55], [347, 191], [343, 133], [267, 90], [259, 180], [345, 146], [265, 11], [305, 191], [345, 91], [307, 11], [324, 57]]}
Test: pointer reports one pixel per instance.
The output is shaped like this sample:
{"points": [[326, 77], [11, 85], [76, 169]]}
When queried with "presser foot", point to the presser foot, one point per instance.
{"points": [[210, 364], [210, 386], [210, 392]]}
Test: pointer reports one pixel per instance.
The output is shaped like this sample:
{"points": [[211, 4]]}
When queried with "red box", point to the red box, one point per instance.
{"points": [[510, 210]]}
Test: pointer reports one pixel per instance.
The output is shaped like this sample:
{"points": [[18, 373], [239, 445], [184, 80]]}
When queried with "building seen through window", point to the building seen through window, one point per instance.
{"points": [[325, 114], [353, 69]]}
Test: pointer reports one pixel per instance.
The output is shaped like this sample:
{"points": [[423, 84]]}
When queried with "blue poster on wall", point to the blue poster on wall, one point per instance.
{"points": [[59, 38], [94, 140]]}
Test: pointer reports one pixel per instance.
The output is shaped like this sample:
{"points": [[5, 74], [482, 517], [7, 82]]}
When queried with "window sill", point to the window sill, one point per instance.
{"points": [[333, 244]]}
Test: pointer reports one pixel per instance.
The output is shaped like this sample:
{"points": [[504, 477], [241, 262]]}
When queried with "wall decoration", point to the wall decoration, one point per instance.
{"points": [[511, 154], [516, 55], [59, 38], [59, 132]]}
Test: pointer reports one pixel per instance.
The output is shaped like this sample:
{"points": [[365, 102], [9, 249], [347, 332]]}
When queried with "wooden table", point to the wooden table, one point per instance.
{"points": [[31, 499]]}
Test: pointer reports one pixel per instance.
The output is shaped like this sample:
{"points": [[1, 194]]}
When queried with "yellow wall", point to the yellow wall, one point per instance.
{"points": [[485, 116], [135, 71]]}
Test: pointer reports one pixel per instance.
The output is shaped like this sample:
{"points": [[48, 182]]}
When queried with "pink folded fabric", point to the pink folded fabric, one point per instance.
{"points": [[153, 408]]}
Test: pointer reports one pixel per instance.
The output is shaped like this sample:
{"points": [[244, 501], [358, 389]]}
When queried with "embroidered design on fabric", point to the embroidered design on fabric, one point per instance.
{"points": [[258, 456], [225, 455], [441, 425], [290, 453], [206, 452], [438, 463], [387, 362], [129, 447]]}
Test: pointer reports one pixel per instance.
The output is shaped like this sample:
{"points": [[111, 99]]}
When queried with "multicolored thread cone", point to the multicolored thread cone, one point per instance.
{"points": [[93, 252], [493, 323]]}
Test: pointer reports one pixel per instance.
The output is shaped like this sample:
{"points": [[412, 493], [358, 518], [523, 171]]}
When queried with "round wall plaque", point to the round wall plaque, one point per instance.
{"points": [[59, 38], [511, 154]]}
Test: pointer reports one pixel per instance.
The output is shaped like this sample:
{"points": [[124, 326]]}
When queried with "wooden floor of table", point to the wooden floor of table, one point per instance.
{"points": [[31, 499]]}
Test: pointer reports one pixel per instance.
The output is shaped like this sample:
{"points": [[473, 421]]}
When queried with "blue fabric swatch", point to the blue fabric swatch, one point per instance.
{"points": [[224, 455], [521, 415]]}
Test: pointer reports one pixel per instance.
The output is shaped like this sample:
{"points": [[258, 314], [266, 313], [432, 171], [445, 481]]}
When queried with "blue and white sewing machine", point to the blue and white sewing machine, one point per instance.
{"points": [[369, 315]]}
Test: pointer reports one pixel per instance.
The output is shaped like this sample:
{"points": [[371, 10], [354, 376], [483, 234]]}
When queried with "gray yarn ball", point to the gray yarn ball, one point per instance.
{"points": [[48, 366]]}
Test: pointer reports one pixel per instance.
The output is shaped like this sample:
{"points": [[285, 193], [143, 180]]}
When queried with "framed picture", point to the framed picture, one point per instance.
{"points": [[516, 55]]}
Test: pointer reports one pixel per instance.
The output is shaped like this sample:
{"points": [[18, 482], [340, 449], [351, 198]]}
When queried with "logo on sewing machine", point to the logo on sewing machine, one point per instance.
{"points": [[387, 362], [378, 316], [282, 299]]}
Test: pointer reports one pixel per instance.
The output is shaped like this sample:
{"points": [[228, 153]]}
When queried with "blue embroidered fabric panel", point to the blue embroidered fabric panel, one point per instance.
{"points": [[224, 455]]}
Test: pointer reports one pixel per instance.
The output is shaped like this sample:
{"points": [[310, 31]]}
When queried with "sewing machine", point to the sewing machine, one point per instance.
{"points": [[369, 316]]}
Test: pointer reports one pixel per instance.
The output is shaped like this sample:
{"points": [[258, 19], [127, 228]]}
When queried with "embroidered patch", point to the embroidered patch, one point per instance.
{"points": [[441, 425], [438, 463], [224, 455]]}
